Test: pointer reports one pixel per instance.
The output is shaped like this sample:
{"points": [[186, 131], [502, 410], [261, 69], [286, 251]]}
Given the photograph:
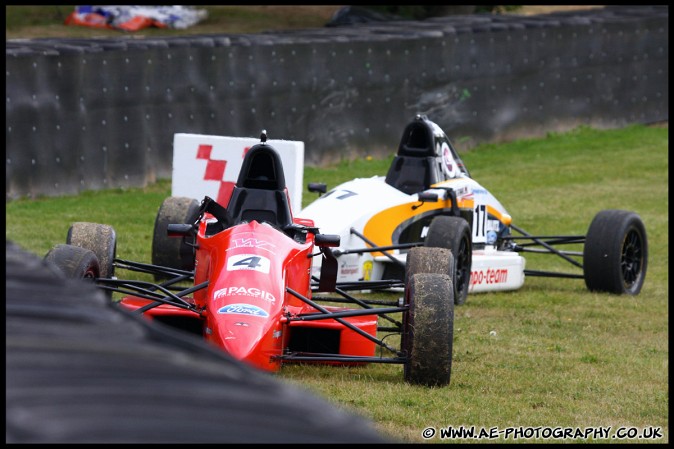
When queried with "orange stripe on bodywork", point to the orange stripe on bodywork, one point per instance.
{"points": [[379, 229], [503, 218]]}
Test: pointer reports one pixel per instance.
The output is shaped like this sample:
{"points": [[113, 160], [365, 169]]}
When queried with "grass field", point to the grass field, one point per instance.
{"points": [[549, 355]]}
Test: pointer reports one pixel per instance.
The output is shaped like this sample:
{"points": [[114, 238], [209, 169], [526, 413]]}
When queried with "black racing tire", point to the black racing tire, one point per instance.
{"points": [[423, 259], [428, 329], [99, 238], [174, 252], [74, 262], [615, 254], [454, 233]]}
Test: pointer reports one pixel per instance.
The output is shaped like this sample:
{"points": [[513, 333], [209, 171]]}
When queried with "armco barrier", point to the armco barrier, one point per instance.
{"points": [[88, 114]]}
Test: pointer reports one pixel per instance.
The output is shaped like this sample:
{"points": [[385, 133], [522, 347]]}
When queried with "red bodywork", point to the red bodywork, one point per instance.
{"points": [[245, 308]]}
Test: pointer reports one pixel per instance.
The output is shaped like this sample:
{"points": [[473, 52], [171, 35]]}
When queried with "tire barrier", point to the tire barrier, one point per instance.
{"points": [[81, 370], [89, 114]]}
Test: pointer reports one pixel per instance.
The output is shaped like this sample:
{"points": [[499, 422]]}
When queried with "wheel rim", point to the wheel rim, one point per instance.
{"points": [[462, 266], [631, 260]]}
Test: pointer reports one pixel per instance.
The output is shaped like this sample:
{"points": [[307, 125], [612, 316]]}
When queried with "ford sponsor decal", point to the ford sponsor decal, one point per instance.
{"points": [[243, 309]]}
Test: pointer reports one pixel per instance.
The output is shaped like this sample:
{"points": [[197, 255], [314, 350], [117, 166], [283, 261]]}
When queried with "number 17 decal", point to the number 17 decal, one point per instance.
{"points": [[480, 221], [248, 262]]}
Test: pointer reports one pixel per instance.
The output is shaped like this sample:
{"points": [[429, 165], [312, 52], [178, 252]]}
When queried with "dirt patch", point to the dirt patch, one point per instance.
{"points": [[664, 124], [531, 10]]}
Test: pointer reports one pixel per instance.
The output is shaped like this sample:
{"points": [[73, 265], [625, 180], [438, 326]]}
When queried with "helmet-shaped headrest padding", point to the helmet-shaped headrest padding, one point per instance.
{"points": [[262, 169], [417, 140]]}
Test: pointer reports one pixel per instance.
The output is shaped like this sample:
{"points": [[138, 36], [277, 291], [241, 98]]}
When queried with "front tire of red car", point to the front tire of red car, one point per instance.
{"points": [[428, 329], [428, 260], [74, 262], [99, 238], [174, 252]]}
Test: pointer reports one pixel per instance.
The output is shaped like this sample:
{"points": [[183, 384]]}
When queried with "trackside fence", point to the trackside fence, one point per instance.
{"points": [[88, 114]]}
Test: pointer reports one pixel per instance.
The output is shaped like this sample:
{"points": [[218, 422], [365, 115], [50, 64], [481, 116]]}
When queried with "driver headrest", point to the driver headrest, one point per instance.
{"points": [[262, 169], [417, 139]]}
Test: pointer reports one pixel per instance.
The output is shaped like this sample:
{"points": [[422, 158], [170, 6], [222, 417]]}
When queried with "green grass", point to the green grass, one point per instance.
{"points": [[550, 354]]}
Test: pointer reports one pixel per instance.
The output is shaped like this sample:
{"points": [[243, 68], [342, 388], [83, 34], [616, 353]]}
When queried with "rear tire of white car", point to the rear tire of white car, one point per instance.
{"points": [[74, 262], [428, 329], [174, 252], [615, 254], [99, 238], [454, 233]]}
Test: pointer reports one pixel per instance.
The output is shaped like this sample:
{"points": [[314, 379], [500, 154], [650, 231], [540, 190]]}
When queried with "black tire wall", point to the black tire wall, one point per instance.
{"points": [[80, 370], [89, 114]]}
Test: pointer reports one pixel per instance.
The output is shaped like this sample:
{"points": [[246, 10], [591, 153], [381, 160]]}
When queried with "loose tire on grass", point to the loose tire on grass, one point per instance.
{"points": [[454, 233], [74, 262], [615, 254], [429, 329], [99, 238], [174, 252]]}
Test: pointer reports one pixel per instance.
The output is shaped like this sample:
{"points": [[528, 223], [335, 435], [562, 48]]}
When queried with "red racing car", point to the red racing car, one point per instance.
{"points": [[240, 276]]}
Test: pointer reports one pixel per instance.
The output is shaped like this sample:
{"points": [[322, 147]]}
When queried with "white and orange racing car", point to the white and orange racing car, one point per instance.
{"points": [[428, 198]]}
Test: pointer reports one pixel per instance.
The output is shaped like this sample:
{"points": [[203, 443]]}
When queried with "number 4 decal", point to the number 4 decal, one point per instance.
{"points": [[251, 262], [248, 262]]}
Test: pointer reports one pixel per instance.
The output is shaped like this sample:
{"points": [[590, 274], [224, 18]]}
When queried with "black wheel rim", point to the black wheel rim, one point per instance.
{"points": [[462, 267], [631, 261]]}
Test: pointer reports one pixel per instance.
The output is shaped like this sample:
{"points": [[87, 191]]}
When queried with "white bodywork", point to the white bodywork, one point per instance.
{"points": [[381, 213]]}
